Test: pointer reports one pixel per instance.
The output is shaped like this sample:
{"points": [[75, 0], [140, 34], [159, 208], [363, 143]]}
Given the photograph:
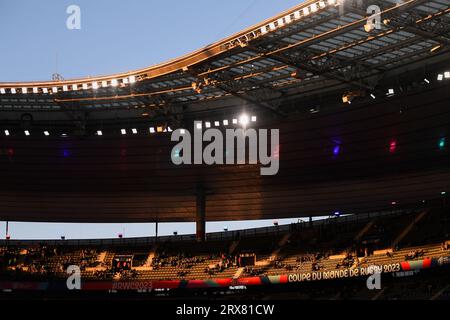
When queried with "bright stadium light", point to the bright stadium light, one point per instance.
{"points": [[280, 22], [152, 130], [123, 131], [393, 146], [46, 133], [74, 87], [182, 131], [13, 90], [217, 123], [288, 19], [95, 85], [6, 132], [65, 88], [114, 83], [447, 74], [244, 120], [55, 90], [27, 133], [35, 90], [253, 118], [208, 124], [314, 110], [24, 90], [305, 11], [436, 48], [426, 80], [45, 90], [373, 96], [440, 77], [2, 91], [225, 122], [99, 133], [134, 131], [104, 83], [322, 4], [199, 126], [369, 26], [314, 7], [85, 86], [132, 79], [442, 143], [235, 121], [336, 150]]}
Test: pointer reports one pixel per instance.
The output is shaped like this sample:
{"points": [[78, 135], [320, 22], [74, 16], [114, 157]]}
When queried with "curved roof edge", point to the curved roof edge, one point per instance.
{"points": [[187, 60]]}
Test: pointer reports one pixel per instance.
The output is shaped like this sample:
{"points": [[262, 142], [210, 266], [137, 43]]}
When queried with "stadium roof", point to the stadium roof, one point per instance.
{"points": [[317, 44], [301, 60]]}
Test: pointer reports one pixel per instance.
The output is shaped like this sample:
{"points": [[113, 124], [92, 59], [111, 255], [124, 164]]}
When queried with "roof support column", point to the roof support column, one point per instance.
{"points": [[201, 215], [7, 236]]}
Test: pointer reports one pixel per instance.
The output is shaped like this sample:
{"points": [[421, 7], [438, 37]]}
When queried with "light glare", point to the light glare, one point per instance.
{"points": [[244, 120]]}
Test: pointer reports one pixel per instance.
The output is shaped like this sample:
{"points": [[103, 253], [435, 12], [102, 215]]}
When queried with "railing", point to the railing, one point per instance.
{"points": [[217, 236]]}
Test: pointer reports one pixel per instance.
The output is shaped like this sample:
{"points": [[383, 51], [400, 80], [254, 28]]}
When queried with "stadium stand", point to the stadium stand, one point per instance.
{"points": [[305, 249]]}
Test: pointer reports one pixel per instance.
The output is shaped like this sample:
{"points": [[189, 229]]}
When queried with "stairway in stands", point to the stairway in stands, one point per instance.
{"points": [[101, 257], [276, 253], [408, 228], [238, 273], [281, 244], [109, 258], [364, 230], [149, 260], [233, 246]]}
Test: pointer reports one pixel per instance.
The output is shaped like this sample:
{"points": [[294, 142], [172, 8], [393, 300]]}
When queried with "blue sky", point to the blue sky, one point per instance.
{"points": [[115, 36]]}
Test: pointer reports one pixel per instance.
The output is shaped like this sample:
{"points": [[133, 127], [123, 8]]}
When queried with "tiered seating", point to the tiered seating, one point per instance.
{"points": [[329, 246]]}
